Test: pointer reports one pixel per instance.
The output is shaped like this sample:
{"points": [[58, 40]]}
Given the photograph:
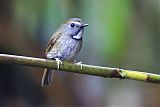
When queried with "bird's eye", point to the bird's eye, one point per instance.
{"points": [[72, 24]]}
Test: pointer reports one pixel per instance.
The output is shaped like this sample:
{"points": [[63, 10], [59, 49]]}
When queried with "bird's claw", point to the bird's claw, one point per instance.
{"points": [[79, 63], [58, 62]]}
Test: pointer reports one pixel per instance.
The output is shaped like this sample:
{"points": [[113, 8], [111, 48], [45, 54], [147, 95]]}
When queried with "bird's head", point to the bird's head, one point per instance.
{"points": [[74, 27]]}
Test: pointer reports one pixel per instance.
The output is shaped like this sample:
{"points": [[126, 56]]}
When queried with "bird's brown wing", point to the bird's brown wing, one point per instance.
{"points": [[52, 41]]}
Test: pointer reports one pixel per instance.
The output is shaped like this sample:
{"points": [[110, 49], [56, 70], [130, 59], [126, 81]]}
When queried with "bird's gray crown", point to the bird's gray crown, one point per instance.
{"points": [[74, 20]]}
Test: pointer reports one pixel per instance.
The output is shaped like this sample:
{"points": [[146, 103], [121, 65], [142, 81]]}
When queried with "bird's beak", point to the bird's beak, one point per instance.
{"points": [[84, 25]]}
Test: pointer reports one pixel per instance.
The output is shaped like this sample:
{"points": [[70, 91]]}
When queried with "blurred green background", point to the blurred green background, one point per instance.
{"points": [[121, 33]]}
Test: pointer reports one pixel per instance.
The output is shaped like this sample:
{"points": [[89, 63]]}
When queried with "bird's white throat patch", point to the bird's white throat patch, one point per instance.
{"points": [[78, 36]]}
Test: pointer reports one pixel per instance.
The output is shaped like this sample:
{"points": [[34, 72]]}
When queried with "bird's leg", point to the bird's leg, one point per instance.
{"points": [[58, 62], [79, 63]]}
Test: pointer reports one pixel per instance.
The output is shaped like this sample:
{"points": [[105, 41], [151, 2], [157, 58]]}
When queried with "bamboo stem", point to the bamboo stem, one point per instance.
{"points": [[86, 69]]}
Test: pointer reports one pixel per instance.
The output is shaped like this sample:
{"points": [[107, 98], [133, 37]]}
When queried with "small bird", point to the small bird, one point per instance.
{"points": [[64, 45]]}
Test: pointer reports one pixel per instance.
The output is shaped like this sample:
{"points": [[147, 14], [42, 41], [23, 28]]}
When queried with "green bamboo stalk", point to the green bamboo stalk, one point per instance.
{"points": [[76, 68]]}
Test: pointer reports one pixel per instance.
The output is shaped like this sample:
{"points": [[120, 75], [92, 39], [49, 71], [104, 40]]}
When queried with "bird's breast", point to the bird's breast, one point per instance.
{"points": [[69, 48], [65, 48]]}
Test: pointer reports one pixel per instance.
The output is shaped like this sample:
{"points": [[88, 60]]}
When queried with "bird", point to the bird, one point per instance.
{"points": [[64, 45]]}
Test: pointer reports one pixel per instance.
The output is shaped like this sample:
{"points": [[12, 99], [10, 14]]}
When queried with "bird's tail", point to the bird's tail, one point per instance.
{"points": [[47, 77]]}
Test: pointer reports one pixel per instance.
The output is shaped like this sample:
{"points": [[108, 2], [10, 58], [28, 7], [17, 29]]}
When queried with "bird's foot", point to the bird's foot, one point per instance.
{"points": [[58, 63], [79, 63]]}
